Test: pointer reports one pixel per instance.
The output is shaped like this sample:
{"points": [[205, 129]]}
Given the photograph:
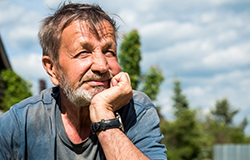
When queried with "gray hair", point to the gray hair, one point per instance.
{"points": [[52, 27]]}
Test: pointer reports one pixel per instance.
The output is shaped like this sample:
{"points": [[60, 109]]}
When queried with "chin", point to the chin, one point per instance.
{"points": [[98, 89]]}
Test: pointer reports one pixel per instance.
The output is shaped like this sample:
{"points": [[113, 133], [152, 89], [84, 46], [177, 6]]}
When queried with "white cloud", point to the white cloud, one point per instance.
{"points": [[181, 56], [10, 13], [227, 36], [28, 65], [231, 57], [221, 2], [168, 30], [231, 85], [236, 75], [208, 17], [210, 3], [31, 18], [129, 17], [21, 36], [191, 48], [52, 3], [195, 91], [30, 68], [24, 33]]}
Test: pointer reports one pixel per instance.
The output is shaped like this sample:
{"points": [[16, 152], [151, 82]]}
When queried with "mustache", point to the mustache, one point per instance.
{"points": [[92, 76]]}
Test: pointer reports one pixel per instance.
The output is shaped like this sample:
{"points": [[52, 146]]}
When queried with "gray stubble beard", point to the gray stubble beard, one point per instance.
{"points": [[79, 97]]}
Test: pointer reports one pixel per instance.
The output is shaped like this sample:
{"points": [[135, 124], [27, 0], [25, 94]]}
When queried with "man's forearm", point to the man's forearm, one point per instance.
{"points": [[117, 146]]}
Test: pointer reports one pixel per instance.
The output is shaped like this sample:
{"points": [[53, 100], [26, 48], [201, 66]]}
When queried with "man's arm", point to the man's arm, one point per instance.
{"points": [[9, 136], [115, 144]]}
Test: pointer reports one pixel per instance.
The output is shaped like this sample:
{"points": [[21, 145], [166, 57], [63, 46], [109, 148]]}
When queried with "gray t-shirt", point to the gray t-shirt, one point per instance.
{"points": [[33, 129]]}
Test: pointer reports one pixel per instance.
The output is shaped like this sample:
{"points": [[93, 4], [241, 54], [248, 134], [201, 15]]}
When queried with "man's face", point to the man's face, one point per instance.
{"points": [[86, 63]]}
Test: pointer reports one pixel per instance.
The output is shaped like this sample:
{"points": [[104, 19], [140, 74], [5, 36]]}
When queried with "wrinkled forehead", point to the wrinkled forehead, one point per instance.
{"points": [[99, 30]]}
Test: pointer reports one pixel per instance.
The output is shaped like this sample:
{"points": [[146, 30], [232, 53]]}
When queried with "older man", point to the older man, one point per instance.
{"points": [[93, 112]]}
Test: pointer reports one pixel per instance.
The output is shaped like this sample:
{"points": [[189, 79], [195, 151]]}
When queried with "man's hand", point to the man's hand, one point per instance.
{"points": [[105, 103], [115, 144]]}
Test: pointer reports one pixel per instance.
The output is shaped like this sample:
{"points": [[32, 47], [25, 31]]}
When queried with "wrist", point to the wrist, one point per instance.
{"points": [[107, 124], [99, 112]]}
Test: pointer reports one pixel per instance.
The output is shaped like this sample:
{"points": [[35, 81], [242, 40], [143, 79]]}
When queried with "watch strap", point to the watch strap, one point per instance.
{"points": [[107, 124]]}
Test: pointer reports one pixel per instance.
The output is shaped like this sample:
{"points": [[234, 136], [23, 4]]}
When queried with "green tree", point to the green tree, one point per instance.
{"points": [[223, 111], [180, 100], [243, 124], [183, 136], [220, 124], [15, 89], [152, 81], [221, 133], [130, 57]]}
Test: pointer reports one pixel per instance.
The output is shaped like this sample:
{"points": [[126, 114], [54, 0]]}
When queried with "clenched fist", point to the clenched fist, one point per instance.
{"points": [[105, 103]]}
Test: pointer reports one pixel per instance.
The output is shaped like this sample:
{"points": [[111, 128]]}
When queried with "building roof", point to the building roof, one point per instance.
{"points": [[4, 64], [4, 61]]}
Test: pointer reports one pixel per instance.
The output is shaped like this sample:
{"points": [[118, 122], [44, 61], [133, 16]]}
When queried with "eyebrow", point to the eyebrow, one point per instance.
{"points": [[109, 44], [86, 45]]}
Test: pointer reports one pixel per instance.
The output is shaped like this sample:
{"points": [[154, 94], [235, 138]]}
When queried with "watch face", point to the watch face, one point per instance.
{"points": [[120, 120]]}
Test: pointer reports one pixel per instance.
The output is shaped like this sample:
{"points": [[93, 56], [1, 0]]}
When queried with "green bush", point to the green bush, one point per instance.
{"points": [[15, 89]]}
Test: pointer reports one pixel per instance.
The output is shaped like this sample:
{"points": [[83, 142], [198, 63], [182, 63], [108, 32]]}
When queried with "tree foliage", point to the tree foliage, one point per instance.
{"points": [[152, 81], [130, 57], [183, 137], [223, 111], [220, 124], [244, 123], [187, 137], [180, 100], [15, 89]]}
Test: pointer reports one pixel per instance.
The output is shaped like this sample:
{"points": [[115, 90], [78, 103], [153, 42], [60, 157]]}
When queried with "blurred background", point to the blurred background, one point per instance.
{"points": [[205, 44]]}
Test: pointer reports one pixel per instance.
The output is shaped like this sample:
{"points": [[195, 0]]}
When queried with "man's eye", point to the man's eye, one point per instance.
{"points": [[109, 53], [82, 54]]}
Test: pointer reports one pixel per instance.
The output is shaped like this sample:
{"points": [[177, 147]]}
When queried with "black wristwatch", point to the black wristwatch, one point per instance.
{"points": [[107, 124]]}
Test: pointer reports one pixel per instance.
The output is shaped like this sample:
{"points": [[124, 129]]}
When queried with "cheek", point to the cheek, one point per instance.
{"points": [[76, 70], [115, 67]]}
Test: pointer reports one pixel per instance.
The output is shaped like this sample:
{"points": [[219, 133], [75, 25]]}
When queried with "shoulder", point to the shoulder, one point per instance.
{"points": [[29, 111], [26, 118], [140, 99], [45, 98], [31, 106], [139, 110]]}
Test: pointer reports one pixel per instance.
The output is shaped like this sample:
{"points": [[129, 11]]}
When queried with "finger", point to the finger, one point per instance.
{"points": [[122, 77], [113, 82], [127, 75]]}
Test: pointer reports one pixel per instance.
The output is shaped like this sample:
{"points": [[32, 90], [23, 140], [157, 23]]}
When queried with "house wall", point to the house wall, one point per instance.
{"points": [[231, 152]]}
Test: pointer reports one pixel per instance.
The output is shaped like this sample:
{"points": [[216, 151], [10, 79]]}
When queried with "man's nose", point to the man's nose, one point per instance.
{"points": [[100, 63]]}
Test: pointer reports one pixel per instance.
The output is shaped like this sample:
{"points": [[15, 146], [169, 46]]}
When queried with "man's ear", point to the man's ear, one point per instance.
{"points": [[50, 67]]}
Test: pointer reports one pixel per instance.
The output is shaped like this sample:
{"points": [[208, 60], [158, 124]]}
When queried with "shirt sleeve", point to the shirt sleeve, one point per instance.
{"points": [[144, 131], [9, 135]]}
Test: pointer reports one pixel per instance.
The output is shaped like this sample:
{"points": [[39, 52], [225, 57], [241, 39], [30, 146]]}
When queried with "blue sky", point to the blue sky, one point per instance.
{"points": [[204, 43]]}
